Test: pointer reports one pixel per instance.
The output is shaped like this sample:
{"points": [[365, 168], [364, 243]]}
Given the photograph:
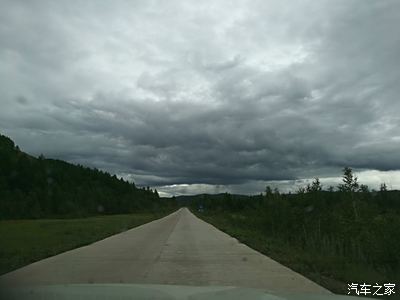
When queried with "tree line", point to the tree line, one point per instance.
{"points": [[346, 227], [38, 187]]}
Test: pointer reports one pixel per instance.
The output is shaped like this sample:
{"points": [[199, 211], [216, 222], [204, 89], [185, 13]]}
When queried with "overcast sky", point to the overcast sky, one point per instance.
{"points": [[206, 96]]}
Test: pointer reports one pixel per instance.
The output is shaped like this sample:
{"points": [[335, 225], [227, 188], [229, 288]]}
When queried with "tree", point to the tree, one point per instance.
{"points": [[276, 191], [350, 183], [363, 188], [349, 186], [268, 191], [316, 185], [301, 190]]}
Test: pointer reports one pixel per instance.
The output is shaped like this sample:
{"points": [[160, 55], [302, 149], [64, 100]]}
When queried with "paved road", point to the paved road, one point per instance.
{"points": [[177, 249]]}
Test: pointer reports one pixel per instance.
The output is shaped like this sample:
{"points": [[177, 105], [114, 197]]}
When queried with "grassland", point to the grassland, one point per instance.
{"points": [[26, 241]]}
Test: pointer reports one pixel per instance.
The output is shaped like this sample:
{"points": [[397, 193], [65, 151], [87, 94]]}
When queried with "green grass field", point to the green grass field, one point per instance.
{"points": [[26, 241]]}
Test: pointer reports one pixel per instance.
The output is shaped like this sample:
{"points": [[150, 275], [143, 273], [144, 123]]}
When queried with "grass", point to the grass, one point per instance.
{"points": [[327, 270], [26, 241]]}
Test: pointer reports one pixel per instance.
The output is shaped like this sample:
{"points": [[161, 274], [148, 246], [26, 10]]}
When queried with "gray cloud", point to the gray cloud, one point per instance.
{"points": [[226, 95]]}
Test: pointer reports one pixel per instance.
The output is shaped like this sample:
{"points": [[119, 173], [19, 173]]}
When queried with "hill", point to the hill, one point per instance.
{"points": [[39, 187]]}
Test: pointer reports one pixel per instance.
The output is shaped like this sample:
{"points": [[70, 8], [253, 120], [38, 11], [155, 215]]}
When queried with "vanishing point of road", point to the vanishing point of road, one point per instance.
{"points": [[178, 249]]}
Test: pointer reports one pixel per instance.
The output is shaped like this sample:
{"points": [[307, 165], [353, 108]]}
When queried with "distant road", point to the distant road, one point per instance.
{"points": [[177, 249]]}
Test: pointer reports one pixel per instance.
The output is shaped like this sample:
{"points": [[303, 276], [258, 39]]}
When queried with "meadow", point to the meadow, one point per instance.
{"points": [[26, 241]]}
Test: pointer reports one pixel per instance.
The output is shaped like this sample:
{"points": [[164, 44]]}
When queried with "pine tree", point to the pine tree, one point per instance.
{"points": [[350, 183], [316, 185], [349, 186]]}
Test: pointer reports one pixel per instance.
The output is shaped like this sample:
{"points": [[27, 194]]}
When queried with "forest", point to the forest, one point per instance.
{"points": [[33, 187], [334, 236]]}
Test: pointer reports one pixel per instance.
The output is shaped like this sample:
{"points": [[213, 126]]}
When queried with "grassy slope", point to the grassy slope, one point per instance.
{"points": [[318, 267], [26, 241]]}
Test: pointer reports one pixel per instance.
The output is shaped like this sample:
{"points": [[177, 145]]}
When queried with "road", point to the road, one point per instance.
{"points": [[177, 249]]}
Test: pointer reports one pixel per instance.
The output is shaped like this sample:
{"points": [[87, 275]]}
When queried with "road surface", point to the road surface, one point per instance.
{"points": [[177, 249]]}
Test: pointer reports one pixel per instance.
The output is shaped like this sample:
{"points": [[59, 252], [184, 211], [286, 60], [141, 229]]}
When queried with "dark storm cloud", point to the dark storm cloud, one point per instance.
{"points": [[214, 95]]}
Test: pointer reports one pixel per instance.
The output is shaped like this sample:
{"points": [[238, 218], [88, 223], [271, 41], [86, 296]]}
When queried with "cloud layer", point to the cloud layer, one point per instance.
{"points": [[217, 95]]}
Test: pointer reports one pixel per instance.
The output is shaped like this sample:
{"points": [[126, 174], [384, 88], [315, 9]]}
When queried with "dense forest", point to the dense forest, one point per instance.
{"points": [[348, 233], [39, 187]]}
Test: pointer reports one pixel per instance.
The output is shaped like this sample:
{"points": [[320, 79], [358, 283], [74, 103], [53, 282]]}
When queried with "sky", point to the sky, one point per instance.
{"points": [[206, 96]]}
